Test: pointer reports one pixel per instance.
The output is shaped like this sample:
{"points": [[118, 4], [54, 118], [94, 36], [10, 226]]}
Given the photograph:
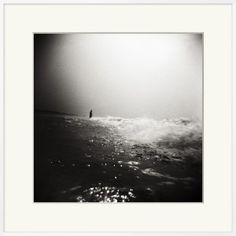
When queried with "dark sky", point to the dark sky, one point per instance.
{"points": [[128, 75]]}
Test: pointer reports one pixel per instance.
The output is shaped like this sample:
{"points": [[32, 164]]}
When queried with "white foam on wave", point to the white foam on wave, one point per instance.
{"points": [[146, 130]]}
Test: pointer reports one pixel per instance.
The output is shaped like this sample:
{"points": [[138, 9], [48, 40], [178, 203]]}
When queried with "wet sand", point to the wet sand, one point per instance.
{"points": [[81, 160]]}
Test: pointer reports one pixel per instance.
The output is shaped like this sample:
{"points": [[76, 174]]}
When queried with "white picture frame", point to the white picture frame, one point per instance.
{"points": [[7, 223]]}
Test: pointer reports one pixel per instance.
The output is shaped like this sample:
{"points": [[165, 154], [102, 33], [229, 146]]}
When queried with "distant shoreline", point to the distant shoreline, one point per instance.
{"points": [[54, 112]]}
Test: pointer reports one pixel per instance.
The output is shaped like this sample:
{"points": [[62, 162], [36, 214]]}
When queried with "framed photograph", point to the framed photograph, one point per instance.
{"points": [[118, 118]]}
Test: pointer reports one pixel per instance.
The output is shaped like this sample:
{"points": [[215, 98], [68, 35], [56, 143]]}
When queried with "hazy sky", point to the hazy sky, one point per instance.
{"points": [[128, 75]]}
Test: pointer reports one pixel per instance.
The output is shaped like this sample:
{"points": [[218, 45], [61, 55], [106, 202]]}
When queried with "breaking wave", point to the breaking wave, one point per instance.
{"points": [[170, 132]]}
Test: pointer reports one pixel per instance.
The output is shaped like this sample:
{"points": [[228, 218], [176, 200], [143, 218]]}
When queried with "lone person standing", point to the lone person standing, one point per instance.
{"points": [[91, 113]]}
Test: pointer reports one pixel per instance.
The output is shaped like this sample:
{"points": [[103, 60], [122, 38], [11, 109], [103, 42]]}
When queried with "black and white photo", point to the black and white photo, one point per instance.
{"points": [[118, 117]]}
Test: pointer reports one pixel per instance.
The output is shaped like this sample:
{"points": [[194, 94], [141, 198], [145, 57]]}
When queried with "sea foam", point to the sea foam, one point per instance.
{"points": [[180, 131]]}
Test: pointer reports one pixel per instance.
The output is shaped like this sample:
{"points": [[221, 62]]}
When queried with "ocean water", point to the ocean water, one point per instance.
{"points": [[181, 131], [115, 159]]}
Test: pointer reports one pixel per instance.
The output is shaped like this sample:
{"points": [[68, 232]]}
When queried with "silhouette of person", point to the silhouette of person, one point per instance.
{"points": [[91, 113]]}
